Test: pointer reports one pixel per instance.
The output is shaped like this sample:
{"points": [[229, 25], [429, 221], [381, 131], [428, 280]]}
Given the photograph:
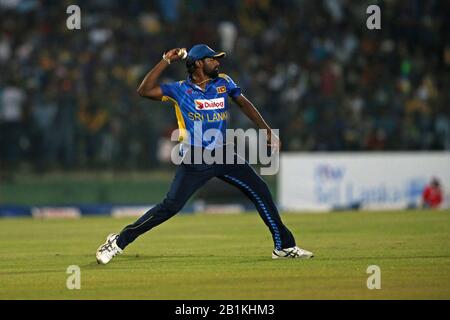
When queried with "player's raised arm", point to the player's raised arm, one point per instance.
{"points": [[253, 114], [149, 87]]}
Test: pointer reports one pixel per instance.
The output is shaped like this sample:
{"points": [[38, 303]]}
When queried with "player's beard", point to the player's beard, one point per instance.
{"points": [[212, 73]]}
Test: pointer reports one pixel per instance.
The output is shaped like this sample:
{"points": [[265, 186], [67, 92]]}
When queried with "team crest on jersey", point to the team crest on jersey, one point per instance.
{"points": [[221, 89], [211, 104]]}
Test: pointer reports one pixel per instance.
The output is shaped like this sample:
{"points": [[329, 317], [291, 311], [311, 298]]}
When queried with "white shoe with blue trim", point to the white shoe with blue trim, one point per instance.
{"points": [[108, 250], [293, 252]]}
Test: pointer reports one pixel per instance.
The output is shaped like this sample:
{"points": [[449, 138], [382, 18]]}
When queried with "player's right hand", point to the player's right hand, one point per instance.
{"points": [[173, 54]]}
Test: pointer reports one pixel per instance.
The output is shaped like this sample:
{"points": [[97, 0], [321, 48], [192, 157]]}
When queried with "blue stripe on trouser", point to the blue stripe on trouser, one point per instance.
{"points": [[264, 209]]}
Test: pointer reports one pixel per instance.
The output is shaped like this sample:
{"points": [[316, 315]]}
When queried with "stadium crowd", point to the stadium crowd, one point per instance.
{"points": [[313, 69]]}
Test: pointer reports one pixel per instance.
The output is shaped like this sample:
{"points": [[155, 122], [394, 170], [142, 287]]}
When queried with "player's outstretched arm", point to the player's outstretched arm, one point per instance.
{"points": [[253, 114], [149, 87]]}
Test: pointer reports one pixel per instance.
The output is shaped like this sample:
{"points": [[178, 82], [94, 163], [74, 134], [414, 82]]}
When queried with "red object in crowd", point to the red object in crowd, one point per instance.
{"points": [[432, 196]]}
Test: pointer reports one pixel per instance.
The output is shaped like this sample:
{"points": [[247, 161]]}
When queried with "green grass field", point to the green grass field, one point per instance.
{"points": [[228, 257]]}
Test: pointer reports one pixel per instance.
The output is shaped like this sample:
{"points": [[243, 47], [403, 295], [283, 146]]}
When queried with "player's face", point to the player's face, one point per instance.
{"points": [[211, 67]]}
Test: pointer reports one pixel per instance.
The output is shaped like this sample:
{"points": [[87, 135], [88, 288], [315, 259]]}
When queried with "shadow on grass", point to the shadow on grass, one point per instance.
{"points": [[200, 259]]}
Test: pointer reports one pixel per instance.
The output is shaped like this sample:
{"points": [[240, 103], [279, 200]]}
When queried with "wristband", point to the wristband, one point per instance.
{"points": [[166, 59]]}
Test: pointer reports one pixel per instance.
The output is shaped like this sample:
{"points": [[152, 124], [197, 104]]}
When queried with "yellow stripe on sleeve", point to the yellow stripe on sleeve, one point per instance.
{"points": [[224, 76], [179, 115]]}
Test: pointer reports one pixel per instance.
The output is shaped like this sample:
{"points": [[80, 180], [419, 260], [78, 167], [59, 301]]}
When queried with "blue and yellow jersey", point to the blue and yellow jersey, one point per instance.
{"points": [[194, 106]]}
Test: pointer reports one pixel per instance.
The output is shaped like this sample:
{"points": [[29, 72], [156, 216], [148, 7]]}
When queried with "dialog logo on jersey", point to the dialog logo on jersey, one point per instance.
{"points": [[211, 104]]}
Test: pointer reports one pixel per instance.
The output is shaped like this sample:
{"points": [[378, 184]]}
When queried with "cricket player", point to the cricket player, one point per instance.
{"points": [[203, 97]]}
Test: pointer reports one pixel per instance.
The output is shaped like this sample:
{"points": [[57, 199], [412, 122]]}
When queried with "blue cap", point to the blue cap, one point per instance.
{"points": [[200, 51]]}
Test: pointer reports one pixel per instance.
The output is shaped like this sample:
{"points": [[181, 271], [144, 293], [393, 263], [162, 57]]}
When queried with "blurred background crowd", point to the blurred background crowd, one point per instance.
{"points": [[68, 97]]}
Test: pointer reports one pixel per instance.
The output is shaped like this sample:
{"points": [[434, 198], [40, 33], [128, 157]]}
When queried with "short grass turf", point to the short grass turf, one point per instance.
{"points": [[229, 257]]}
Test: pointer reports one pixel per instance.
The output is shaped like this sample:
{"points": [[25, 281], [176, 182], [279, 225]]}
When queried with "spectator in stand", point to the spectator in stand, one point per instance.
{"points": [[432, 195], [12, 103]]}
